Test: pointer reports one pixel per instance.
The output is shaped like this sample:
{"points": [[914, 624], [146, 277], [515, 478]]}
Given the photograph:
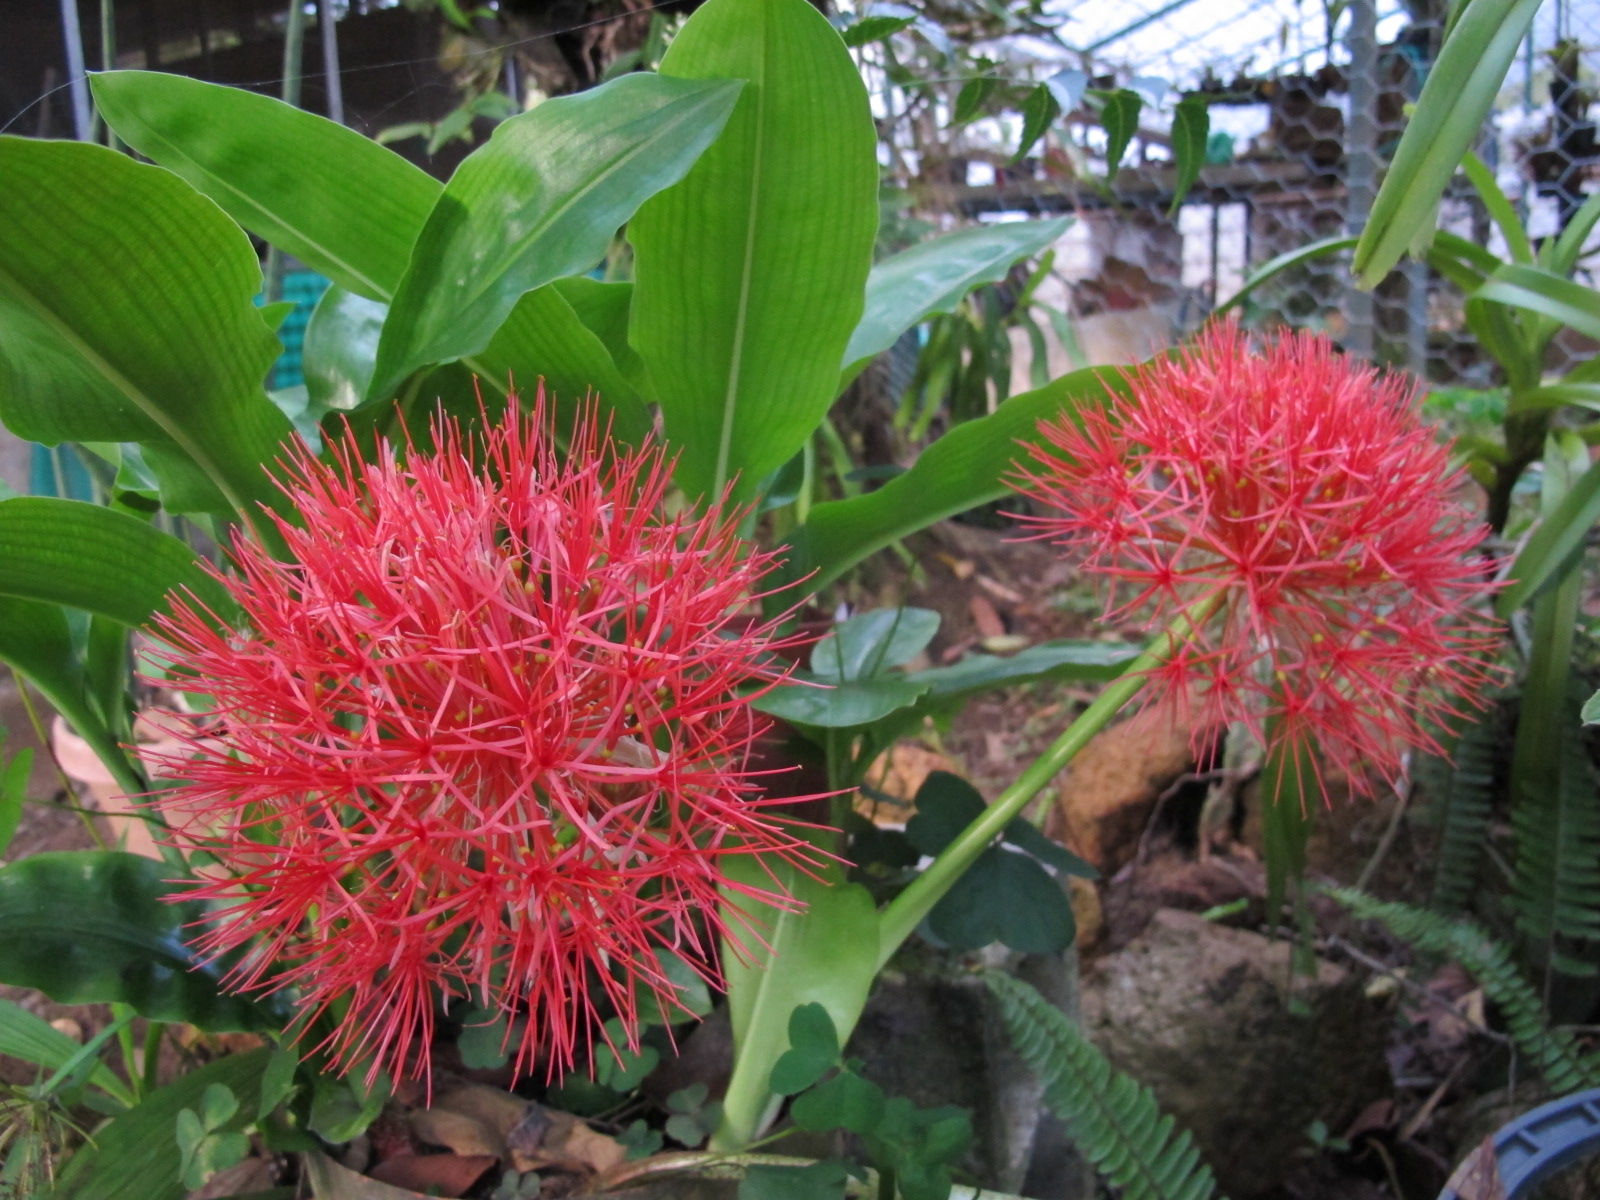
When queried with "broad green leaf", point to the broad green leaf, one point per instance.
{"points": [[337, 201], [544, 339], [849, 683], [604, 308], [970, 100], [277, 1081], [872, 642], [875, 29], [1552, 849], [13, 795], [1567, 248], [1039, 110], [618, 1066], [1591, 710], [1008, 898], [136, 1155], [342, 1109], [966, 467], [482, 1043], [127, 315], [750, 273], [813, 1050], [36, 641], [88, 557], [1555, 395], [1498, 206], [689, 987], [1563, 529], [1460, 90], [946, 804], [1119, 113], [1274, 267], [35, 1040], [824, 950], [541, 200], [846, 1101], [829, 704], [1501, 330], [1098, 661], [933, 276], [276, 313], [340, 349], [1537, 290], [1025, 836], [88, 927], [1191, 129], [1481, 259]]}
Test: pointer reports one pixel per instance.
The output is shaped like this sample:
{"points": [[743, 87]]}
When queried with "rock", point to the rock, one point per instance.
{"points": [[1112, 786], [1198, 1013], [434, 1174], [930, 1033], [898, 773], [1087, 911], [251, 1175]]}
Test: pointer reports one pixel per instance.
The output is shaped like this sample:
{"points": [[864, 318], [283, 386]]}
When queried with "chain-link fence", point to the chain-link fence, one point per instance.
{"points": [[1307, 103]]}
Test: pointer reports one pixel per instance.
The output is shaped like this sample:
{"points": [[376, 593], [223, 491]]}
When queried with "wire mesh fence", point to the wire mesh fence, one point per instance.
{"points": [[1307, 103]]}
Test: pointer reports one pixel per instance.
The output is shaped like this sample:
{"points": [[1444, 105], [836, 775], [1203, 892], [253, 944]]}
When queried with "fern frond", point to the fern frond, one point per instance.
{"points": [[1114, 1120], [1465, 804], [1556, 890], [1563, 1064]]}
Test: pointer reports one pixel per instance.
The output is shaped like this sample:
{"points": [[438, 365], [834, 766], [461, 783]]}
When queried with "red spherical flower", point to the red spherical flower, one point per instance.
{"points": [[483, 740], [1293, 501]]}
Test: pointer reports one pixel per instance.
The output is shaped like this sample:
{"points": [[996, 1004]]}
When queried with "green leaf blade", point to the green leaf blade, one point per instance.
{"points": [[88, 927], [965, 468], [125, 290], [1459, 92], [137, 1156], [932, 277], [84, 556], [750, 273], [541, 200], [1191, 129], [337, 201]]}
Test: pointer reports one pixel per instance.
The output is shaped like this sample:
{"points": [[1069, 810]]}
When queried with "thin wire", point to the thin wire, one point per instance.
{"points": [[384, 66]]}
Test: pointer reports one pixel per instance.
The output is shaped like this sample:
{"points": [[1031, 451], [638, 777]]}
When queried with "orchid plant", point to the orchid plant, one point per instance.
{"points": [[474, 698]]}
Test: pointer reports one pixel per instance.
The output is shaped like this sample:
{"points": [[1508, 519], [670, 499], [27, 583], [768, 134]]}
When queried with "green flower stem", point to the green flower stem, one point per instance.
{"points": [[906, 911]]}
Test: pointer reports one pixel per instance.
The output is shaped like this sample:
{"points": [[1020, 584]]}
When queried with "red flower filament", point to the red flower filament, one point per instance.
{"points": [[1296, 497], [481, 740]]}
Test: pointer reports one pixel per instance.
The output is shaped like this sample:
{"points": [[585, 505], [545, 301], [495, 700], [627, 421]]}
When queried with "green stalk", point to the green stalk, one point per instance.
{"points": [[124, 1015], [152, 1055], [906, 911]]}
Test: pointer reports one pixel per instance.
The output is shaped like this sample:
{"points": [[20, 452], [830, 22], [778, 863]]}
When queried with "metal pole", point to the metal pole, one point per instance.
{"points": [[330, 61], [1361, 160], [108, 57], [294, 44], [70, 31], [513, 84], [294, 29]]}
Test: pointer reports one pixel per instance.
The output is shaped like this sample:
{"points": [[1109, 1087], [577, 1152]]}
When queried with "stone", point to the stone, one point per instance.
{"points": [[1087, 911], [897, 774], [1112, 786], [930, 1033], [1200, 1014]]}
